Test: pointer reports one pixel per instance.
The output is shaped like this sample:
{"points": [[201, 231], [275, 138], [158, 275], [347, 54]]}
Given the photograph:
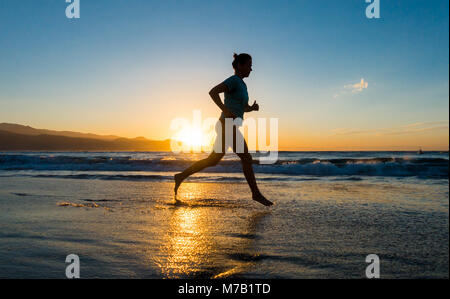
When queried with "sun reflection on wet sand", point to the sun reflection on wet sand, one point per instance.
{"points": [[187, 247], [203, 241]]}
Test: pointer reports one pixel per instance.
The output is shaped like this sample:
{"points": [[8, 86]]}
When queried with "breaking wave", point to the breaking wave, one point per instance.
{"points": [[427, 167]]}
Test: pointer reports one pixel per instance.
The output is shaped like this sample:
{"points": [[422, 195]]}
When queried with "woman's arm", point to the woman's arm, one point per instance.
{"points": [[214, 93]]}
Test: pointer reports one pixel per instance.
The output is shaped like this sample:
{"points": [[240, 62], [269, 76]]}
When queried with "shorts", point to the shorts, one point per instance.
{"points": [[229, 137]]}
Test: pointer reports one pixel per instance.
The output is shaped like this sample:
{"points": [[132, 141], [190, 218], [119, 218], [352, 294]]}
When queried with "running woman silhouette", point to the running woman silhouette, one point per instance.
{"points": [[236, 103]]}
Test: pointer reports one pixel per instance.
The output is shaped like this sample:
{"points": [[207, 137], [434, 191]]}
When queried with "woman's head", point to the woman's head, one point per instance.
{"points": [[242, 64]]}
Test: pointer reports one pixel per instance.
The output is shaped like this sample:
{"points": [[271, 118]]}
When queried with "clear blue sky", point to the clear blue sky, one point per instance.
{"points": [[129, 67]]}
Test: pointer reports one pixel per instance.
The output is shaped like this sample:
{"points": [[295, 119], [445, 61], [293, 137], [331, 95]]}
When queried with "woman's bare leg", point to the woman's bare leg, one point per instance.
{"points": [[211, 160], [249, 174], [247, 167]]}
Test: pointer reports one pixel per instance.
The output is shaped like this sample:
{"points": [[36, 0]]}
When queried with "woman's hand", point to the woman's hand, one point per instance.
{"points": [[254, 107]]}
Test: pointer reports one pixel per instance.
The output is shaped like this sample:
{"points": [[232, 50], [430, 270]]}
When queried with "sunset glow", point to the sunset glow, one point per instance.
{"points": [[328, 93], [192, 137]]}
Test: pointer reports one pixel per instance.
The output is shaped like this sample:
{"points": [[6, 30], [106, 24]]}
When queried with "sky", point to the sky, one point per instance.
{"points": [[335, 79]]}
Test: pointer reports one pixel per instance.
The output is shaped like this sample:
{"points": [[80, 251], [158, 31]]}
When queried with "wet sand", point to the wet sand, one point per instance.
{"points": [[316, 229]]}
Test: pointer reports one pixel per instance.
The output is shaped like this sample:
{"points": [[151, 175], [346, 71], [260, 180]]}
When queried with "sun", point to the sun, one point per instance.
{"points": [[193, 137]]}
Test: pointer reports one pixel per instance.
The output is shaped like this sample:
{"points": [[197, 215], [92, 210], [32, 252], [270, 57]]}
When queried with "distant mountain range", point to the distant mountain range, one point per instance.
{"points": [[15, 137]]}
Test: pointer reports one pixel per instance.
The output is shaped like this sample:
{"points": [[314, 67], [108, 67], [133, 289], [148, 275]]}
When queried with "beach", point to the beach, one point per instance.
{"points": [[126, 223]]}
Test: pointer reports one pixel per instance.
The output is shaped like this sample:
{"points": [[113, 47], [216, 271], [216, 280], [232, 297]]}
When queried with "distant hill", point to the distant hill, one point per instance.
{"points": [[33, 141], [27, 130]]}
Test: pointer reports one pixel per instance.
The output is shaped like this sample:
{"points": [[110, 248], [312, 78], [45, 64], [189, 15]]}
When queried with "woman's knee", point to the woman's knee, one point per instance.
{"points": [[215, 159]]}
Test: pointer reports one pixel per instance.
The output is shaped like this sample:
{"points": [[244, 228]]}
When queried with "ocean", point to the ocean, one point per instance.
{"points": [[160, 166], [117, 211]]}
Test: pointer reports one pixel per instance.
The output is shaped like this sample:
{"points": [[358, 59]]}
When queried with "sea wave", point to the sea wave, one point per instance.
{"points": [[380, 166], [156, 178]]}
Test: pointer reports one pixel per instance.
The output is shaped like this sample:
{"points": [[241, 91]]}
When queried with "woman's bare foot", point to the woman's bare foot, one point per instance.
{"points": [[261, 199], [178, 179]]}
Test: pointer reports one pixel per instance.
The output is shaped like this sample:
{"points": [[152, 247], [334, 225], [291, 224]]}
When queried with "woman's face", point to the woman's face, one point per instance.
{"points": [[245, 68]]}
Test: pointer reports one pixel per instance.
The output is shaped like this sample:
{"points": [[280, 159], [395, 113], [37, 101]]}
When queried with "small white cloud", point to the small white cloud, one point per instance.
{"points": [[357, 87], [352, 88]]}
